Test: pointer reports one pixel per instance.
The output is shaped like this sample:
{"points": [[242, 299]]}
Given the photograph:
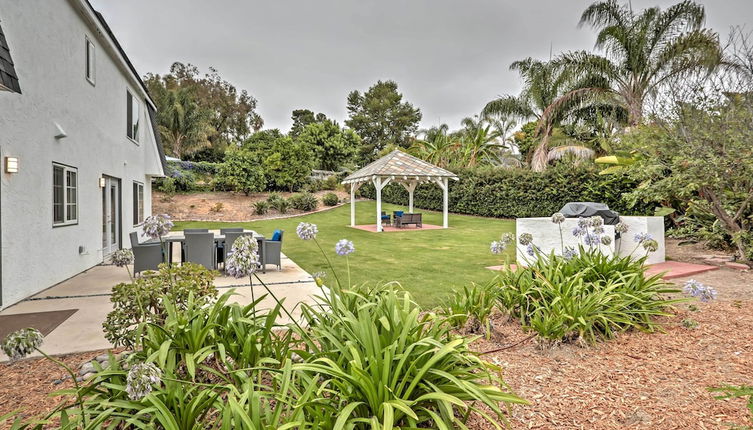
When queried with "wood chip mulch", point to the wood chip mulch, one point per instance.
{"points": [[638, 380]]}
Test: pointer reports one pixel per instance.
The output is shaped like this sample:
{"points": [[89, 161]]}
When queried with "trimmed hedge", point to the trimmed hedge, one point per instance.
{"points": [[518, 193]]}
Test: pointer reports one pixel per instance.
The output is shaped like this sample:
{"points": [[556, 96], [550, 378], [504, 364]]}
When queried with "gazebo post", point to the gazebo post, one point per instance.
{"points": [[353, 188], [378, 186], [410, 187], [444, 184]]}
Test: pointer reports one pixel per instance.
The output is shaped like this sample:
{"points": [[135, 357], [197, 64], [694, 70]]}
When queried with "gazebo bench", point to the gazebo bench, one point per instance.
{"points": [[408, 219]]}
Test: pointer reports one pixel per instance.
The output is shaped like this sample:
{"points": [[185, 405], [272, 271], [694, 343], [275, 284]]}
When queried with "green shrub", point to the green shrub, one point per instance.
{"points": [[518, 193], [330, 199], [586, 298], [281, 205], [261, 207], [145, 300], [385, 363], [242, 172], [314, 186], [331, 183], [306, 202], [165, 185], [471, 308], [272, 197]]}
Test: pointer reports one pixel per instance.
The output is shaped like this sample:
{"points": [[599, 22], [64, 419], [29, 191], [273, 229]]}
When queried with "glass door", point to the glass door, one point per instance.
{"points": [[110, 216]]}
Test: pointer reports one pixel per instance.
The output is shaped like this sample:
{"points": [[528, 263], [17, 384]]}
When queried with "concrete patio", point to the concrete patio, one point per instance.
{"points": [[89, 294]]}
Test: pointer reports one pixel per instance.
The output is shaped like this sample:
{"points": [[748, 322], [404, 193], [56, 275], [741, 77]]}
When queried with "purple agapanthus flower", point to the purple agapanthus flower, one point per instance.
{"points": [[344, 247], [642, 237], [591, 239], [583, 223], [701, 291], [243, 258], [578, 232], [156, 226], [497, 247], [532, 249], [569, 253], [307, 231]]}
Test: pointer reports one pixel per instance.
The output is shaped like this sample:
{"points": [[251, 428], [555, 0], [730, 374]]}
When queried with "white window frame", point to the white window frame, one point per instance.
{"points": [[133, 104], [138, 203], [67, 171], [90, 59]]}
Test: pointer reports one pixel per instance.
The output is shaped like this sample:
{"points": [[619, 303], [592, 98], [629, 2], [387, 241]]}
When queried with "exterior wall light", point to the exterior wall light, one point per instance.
{"points": [[11, 165], [102, 182]]}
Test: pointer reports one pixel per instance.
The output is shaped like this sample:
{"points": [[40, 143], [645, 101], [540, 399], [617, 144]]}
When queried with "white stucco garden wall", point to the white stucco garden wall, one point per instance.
{"points": [[47, 42], [546, 235]]}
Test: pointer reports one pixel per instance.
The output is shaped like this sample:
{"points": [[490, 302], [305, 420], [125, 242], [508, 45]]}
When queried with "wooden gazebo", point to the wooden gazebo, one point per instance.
{"points": [[402, 168]]}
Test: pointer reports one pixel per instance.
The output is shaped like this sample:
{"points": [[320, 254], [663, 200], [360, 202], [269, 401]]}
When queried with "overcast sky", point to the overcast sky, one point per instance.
{"points": [[449, 57]]}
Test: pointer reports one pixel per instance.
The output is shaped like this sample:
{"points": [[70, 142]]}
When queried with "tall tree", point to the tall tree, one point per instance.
{"points": [[288, 163], [232, 113], [183, 125], [544, 84], [333, 147], [303, 117], [643, 51], [381, 118]]}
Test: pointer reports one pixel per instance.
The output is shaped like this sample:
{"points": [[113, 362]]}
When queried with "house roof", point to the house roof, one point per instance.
{"points": [[400, 166], [8, 77]]}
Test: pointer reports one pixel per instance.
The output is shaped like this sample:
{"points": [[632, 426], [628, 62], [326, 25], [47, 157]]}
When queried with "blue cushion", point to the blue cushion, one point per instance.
{"points": [[276, 235], [399, 213]]}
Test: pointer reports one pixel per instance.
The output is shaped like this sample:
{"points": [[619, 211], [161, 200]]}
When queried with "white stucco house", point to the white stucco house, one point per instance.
{"points": [[78, 144]]}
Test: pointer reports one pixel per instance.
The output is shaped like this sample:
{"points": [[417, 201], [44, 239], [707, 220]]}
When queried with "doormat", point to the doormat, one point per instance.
{"points": [[45, 322]]}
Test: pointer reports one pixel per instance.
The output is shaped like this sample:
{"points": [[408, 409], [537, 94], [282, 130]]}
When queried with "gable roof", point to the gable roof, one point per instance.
{"points": [[400, 165], [8, 77]]}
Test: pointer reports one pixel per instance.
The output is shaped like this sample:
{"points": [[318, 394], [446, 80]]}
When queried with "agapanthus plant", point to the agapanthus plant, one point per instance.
{"points": [[157, 226], [699, 290], [122, 258], [21, 343], [306, 231], [141, 380], [243, 260]]}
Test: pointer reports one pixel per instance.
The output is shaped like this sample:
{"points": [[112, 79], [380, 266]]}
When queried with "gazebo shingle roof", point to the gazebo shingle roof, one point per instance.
{"points": [[400, 165]]}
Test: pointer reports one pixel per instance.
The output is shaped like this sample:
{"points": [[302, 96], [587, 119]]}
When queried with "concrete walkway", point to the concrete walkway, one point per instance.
{"points": [[89, 293]]}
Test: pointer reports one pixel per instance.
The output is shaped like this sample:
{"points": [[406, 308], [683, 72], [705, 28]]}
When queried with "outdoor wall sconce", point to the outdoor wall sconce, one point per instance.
{"points": [[11, 165], [102, 182]]}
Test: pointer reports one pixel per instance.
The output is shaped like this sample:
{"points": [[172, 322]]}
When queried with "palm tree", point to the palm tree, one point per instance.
{"points": [[545, 83], [484, 140], [643, 52], [184, 127]]}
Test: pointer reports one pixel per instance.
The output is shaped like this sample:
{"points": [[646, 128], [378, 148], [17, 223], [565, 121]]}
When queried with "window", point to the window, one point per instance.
{"points": [[90, 61], [138, 203], [132, 117], [64, 195]]}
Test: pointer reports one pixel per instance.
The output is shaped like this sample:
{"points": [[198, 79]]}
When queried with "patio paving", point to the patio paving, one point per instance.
{"points": [[89, 293], [388, 228]]}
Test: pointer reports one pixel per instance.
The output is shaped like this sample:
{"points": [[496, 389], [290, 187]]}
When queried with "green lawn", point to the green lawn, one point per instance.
{"points": [[427, 263]]}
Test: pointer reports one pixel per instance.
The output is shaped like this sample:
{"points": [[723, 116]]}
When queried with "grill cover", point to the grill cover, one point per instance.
{"points": [[588, 209]]}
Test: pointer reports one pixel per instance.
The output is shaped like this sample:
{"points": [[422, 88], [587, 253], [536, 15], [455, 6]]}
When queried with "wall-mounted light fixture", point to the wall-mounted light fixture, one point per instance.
{"points": [[102, 182], [11, 165]]}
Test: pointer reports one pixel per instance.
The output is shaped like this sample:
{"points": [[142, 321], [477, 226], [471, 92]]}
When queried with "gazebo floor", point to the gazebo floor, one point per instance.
{"points": [[389, 228]]}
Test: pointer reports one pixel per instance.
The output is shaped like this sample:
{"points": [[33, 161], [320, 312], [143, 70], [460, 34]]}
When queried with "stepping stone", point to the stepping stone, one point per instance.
{"points": [[678, 269], [737, 266]]}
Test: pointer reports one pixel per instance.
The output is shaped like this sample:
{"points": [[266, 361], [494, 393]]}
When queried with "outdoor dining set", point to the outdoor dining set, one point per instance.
{"points": [[202, 246], [401, 219]]}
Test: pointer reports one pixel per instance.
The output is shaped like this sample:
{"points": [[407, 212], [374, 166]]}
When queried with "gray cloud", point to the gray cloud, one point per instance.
{"points": [[449, 57]]}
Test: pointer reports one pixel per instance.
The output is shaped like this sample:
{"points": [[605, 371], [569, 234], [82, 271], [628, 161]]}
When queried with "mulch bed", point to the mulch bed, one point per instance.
{"points": [[638, 380]]}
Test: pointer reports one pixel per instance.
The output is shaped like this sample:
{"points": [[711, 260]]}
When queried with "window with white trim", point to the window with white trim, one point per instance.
{"points": [[138, 203], [64, 195], [90, 62], [132, 117]]}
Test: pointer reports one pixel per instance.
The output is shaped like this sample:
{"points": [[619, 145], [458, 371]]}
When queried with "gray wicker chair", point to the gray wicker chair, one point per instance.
{"points": [[200, 249], [273, 251], [134, 238], [221, 246], [146, 257], [224, 231]]}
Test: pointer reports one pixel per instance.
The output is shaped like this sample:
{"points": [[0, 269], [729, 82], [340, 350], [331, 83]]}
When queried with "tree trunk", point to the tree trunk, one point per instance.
{"points": [[733, 227]]}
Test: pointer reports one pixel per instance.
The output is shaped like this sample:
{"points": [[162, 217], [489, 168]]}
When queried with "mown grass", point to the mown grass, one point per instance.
{"points": [[428, 263]]}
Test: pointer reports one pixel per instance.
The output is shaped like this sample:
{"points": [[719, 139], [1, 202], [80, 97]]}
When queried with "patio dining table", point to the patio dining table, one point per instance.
{"points": [[180, 238]]}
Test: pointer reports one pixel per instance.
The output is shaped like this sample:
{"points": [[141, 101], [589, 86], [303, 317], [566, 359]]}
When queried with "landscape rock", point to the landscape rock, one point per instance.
{"points": [[737, 266], [103, 358], [87, 367]]}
